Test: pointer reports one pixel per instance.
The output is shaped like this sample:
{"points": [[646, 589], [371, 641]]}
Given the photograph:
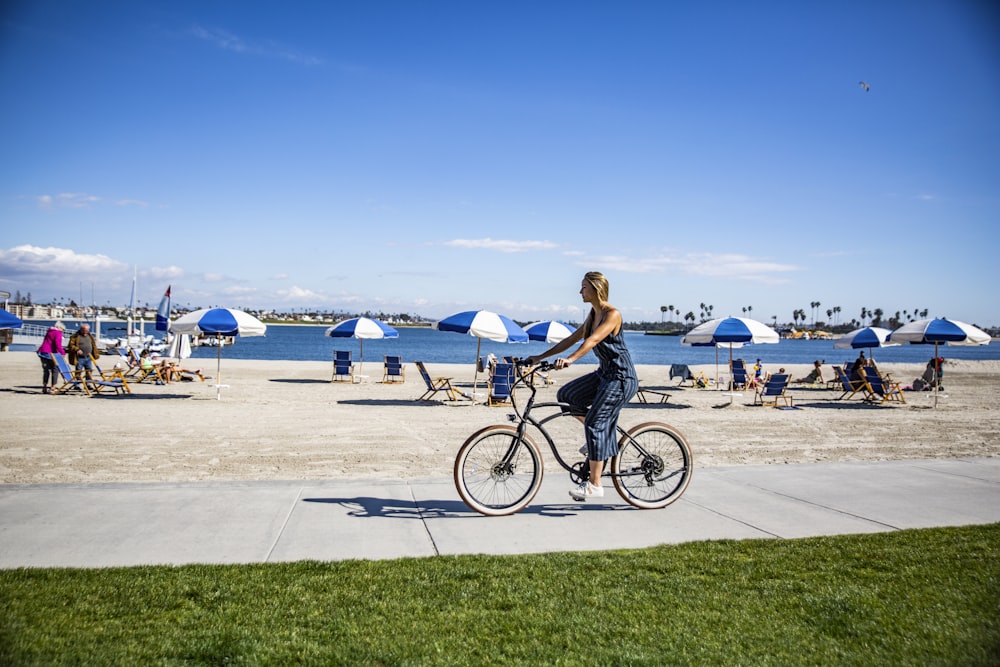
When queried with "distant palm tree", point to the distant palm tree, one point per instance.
{"points": [[663, 310], [671, 309], [750, 311], [690, 316]]}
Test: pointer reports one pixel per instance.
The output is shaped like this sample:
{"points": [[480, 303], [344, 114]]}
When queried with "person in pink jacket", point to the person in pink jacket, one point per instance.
{"points": [[52, 344]]}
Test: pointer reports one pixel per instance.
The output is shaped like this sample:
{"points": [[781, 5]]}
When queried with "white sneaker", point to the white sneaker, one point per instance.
{"points": [[586, 490]]}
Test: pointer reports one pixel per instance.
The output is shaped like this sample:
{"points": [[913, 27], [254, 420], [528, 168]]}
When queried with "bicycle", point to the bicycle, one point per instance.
{"points": [[498, 469]]}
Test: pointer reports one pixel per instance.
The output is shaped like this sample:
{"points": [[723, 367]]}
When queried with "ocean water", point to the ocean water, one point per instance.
{"points": [[307, 343]]}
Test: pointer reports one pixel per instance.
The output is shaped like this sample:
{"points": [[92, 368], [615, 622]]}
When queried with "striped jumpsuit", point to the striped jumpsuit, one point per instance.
{"points": [[605, 392]]}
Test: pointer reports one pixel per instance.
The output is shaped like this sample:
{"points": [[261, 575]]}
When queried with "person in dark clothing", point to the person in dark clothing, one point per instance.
{"points": [[605, 391]]}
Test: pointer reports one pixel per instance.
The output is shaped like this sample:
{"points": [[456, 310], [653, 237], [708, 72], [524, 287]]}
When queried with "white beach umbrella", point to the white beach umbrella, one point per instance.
{"points": [[731, 330], [939, 330], [548, 331], [483, 324], [362, 328], [219, 322]]}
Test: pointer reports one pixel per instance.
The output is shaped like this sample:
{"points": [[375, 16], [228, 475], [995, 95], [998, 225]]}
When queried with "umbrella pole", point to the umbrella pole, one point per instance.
{"points": [[218, 371], [718, 380], [937, 374], [475, 375], [361, 363], [732, 388]]}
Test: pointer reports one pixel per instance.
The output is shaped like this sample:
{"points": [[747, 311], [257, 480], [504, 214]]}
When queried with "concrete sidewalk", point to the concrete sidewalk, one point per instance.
{"points": [[104, 525]]}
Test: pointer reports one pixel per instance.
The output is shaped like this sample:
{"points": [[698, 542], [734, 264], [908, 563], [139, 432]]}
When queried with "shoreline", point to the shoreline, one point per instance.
{"points": [[285, 420]]}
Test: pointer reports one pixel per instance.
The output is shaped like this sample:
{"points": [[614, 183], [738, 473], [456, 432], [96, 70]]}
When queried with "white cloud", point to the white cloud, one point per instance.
{"points": [[67, 200], [227, 41], [716, 265], [239, 291], [132, 202], [29, 260], [501, 245], [164, 273], [300, 294]]}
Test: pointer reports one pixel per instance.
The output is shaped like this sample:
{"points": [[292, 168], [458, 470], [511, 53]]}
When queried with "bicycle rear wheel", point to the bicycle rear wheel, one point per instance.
{"points": [[653, 466], [496, 472]]}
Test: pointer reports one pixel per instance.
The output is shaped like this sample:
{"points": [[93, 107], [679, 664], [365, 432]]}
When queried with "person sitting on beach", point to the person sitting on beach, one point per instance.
{"points": [[815, 375], [166, 370], [857, 375], [931, 377]]}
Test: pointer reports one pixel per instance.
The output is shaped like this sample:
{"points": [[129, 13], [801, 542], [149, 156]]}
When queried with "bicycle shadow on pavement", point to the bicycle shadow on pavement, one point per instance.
{"points": [[394, 508]]}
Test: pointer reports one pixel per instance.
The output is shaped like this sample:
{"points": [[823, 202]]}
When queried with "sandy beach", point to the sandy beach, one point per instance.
{"points": [[285, 420]]}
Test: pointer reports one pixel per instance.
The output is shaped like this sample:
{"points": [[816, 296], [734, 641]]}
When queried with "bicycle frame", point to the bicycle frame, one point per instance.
{"points": [[524, 419]]}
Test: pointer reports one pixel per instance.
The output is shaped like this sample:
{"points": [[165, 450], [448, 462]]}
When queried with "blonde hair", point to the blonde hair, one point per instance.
{"points": [[602, 288]]}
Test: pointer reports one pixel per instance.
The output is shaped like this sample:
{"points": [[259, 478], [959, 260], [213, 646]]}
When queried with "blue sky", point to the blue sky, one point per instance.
{"points": [[431, 157]]}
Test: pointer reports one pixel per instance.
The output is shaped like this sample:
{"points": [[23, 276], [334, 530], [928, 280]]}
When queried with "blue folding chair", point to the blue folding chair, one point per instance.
{"points": [[880, 389], [394, 370], [70, 380], [435, 385], [774, 391], [343, 367], [740, 378], [501, 383]]}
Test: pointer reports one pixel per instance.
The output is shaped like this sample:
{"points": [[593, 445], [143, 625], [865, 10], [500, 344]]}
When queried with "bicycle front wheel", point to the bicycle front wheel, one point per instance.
{"points": [[497, 472], [653, 466]]}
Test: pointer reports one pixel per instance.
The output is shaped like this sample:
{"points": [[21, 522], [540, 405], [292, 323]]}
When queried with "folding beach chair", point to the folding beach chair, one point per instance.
{"points": [[683, 372], [501, 383], [850, 388], [343, 367], [774, 391], [740, 378], [435, 385], [395, 371], [880, 389], [70, 380]]}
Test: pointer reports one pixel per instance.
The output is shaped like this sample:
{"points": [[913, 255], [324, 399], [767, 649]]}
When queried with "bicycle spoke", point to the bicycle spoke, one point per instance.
{"points": [[496, 473], [653, 466]]}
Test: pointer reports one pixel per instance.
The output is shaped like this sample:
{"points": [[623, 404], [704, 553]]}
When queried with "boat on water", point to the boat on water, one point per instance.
{"points": [[135, 339], [212, 341]]}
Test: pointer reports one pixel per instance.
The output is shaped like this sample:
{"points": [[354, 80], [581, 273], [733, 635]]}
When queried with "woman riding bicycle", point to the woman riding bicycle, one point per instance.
{"points": [[606, 390]]}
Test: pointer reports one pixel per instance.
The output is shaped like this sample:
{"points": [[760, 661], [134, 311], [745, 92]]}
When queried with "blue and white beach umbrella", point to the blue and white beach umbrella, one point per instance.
{"points": [[483, 324], [8, 321], [361, 328], [219, 322], [730, 331], [869, 337], [939, 330], [548, 331]]}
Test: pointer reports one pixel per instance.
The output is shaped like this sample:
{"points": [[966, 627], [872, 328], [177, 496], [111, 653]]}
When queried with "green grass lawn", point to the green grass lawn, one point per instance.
{"points": [[920, 597]]}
